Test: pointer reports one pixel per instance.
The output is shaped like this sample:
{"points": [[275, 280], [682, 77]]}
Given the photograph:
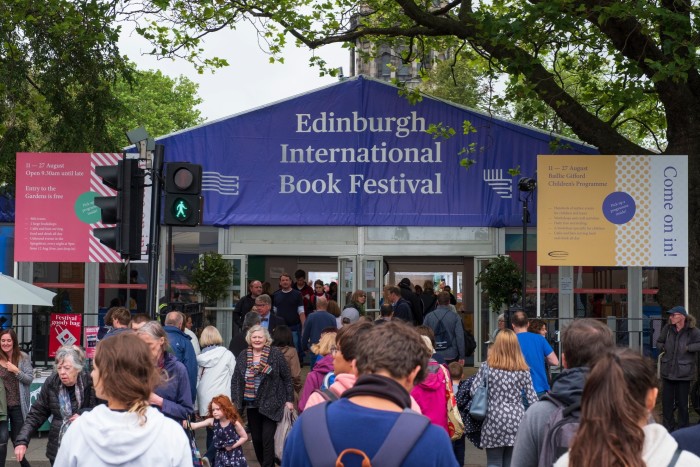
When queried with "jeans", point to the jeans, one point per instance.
{"points": [[675, 395], [296, 335], [499, 457], [262, 430], [14, 415]]}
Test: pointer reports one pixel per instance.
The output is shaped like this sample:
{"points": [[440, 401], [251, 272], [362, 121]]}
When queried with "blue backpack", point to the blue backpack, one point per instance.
{"points": [[402, 437]]}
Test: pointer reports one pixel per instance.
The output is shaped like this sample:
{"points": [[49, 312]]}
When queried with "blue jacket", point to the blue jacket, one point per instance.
{"points": [[184, 352], [175, 391], [315, 323]]}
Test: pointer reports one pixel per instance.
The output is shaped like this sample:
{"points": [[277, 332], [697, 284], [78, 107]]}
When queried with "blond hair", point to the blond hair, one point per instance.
{"points": [[210, 336], [505, 353], [324, 344]]}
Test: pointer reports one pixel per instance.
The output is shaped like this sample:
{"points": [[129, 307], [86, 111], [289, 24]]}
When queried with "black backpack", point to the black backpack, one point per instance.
{"points": [[469, 342], [442, 336], [559, 431]]}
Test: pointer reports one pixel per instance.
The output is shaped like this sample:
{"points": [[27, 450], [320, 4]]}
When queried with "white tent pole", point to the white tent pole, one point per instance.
{"points": [[539, 287]]}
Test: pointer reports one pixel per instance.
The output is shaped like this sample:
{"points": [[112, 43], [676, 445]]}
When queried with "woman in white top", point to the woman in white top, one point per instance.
{"points": [[127, 431], [216, 365], [615, 429]]}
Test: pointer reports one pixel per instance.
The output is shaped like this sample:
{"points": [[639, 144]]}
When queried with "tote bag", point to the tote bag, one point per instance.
{"points": [[480, 401]]}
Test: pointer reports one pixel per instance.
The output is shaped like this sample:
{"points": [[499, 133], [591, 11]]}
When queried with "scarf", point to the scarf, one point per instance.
{"points": [[380, 386], [66, 407], [255, 371]]}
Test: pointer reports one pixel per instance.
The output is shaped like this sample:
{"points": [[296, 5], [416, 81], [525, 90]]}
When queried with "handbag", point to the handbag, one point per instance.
{"points": [[284, 426], [455, 424], [197, 459], [480, 400]]}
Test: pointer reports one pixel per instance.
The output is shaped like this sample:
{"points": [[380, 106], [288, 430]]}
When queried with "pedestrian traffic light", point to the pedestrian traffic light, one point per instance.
{"points": [[183, 185], [125, 210]]}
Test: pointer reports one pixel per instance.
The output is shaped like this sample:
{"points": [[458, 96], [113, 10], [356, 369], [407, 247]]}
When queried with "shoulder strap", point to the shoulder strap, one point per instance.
{"points": [[327, 394], [675, 457], [317, 438], [549, 397], [571, 408], [443, 316], [402, 437]]}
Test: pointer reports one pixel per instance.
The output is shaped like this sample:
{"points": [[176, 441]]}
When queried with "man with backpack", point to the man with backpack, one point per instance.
{"points": [[373, 419], [448, 329], [550, 424]]}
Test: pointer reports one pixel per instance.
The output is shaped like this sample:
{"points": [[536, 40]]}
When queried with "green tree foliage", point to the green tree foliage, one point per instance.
{"points": [[622, 75], [58, 59], [64, 87], [462, 82], [157, 102]]}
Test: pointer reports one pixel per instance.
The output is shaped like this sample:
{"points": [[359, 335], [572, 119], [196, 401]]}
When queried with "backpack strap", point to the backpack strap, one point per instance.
{"points": [[675, 457], [327, 394], [407, 429], [317, 438], [402, 437], [574, 407]]}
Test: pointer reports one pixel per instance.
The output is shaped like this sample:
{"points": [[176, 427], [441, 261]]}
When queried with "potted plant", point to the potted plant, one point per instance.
{"points": [[501, 280], [211, 276]]}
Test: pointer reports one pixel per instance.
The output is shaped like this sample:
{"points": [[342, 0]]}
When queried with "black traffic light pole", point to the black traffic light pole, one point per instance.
{"points": [[154, 237]]}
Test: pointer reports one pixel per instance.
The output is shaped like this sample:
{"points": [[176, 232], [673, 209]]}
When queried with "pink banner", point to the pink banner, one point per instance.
{"points": [[55, 207], [91, 340], [64, 329]]}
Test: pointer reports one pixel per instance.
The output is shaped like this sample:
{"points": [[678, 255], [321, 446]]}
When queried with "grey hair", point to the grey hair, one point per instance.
{"points": [[257, 327], [75, 353], [264, 298], [156, 331], [251, 319]]}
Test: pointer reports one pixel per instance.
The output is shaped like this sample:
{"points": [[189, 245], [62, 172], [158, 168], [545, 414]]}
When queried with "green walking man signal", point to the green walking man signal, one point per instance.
{"points": [[183, 185], [182, 209]]}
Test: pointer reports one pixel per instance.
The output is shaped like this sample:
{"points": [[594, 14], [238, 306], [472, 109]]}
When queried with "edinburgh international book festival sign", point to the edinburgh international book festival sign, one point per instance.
{"points": [[612, 211]]}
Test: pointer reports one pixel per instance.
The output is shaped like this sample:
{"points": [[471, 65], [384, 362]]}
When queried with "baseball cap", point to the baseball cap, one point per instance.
{"points": [[678, 309]]}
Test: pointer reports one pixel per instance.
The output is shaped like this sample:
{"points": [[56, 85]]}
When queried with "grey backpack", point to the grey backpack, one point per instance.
{"points": [[559, 431]]}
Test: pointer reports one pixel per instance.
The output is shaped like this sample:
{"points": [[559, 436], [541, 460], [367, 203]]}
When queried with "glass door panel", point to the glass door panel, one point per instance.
{"points": [[346, 278], [371, 281], [221, 316]]}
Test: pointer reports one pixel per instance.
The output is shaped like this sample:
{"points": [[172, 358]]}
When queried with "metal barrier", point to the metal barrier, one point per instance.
{"points": [[643, 339], [34, 338]]}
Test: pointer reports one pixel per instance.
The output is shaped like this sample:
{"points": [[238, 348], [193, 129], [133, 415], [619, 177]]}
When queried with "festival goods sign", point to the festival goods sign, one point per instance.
{"points": [[64, 329]]}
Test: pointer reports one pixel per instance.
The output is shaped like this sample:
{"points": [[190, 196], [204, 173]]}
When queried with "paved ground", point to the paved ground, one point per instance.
{"points": [[37, 457], [474, 457]]}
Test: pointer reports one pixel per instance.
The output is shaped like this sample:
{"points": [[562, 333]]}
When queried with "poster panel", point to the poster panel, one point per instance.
{"points": [[64, 329], [91, 340], [55, 208], [612, 211]]}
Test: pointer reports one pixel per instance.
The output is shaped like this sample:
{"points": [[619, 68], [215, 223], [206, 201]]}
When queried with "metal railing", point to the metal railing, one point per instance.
{"points": [[34, 338]]}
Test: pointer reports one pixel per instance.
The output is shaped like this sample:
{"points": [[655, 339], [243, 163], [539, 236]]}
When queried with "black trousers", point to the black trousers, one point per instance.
{"points": [[262, 430], [675, 396], [14, 414]]}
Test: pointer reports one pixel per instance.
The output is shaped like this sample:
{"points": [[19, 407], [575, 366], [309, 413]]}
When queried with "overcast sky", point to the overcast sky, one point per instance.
{"points": [[250, 80]]}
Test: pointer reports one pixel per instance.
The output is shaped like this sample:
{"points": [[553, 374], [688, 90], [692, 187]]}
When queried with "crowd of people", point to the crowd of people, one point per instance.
{"points": [[389, 391]]}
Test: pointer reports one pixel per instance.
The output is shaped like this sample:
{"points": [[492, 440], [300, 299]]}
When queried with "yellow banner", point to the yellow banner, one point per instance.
{"points": [[612, 211]]}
